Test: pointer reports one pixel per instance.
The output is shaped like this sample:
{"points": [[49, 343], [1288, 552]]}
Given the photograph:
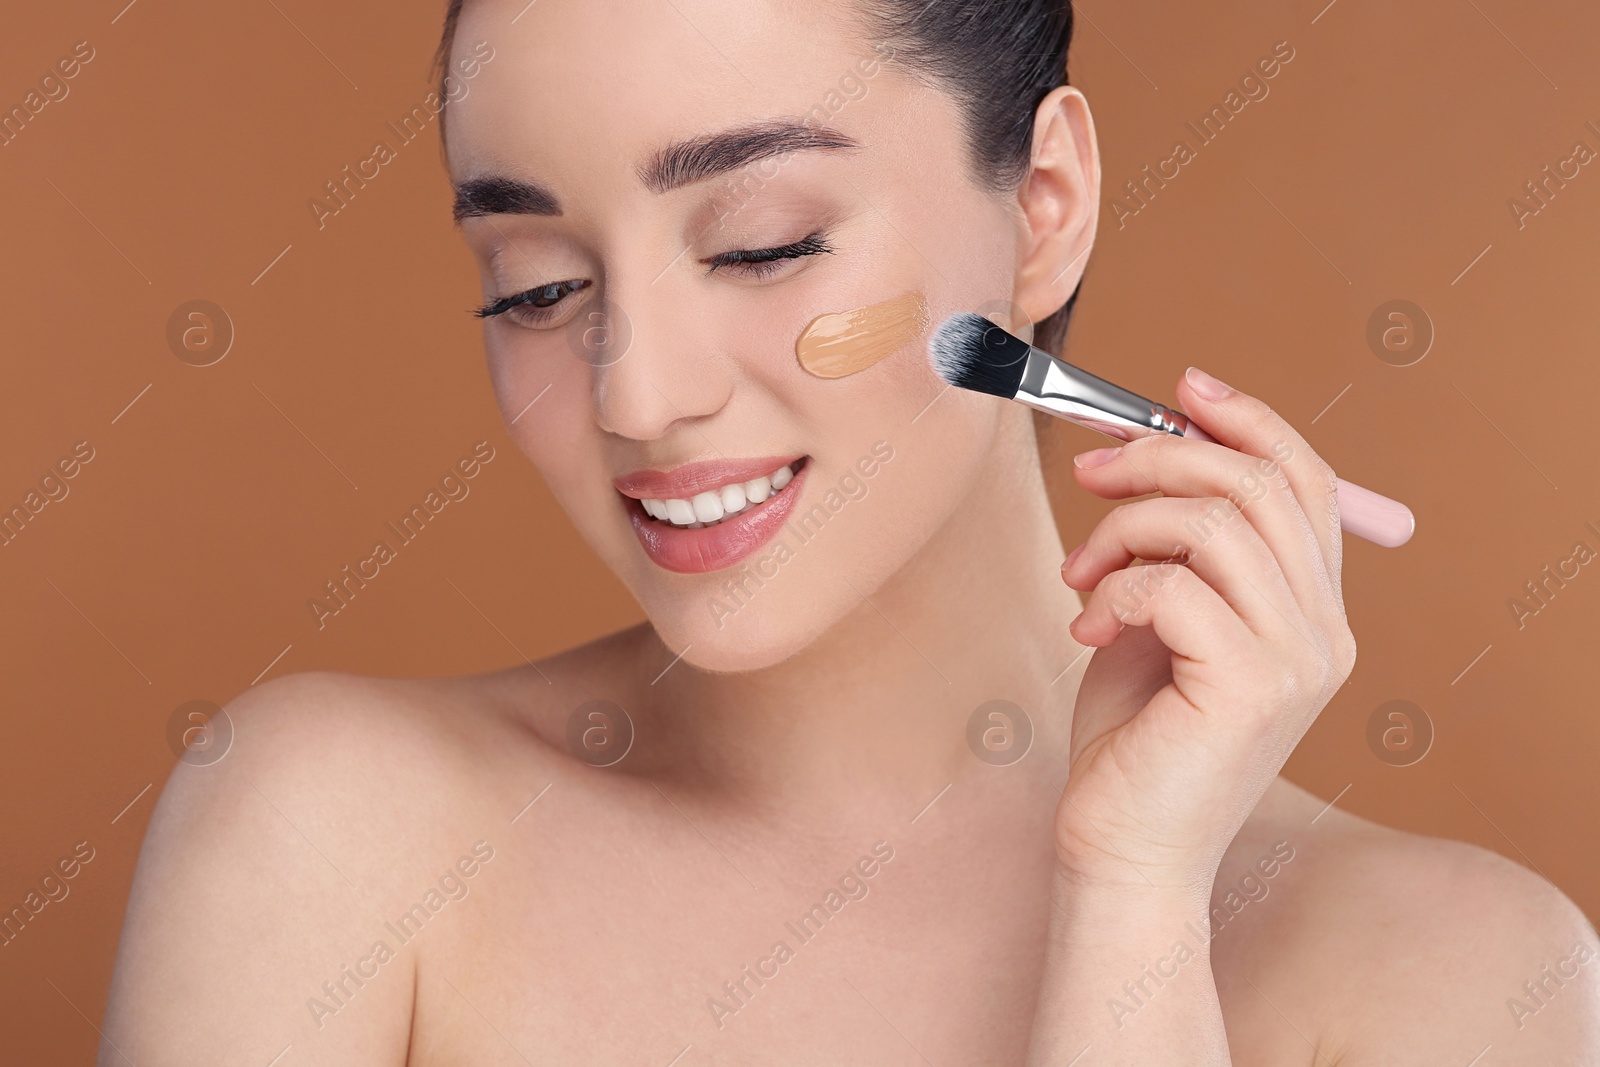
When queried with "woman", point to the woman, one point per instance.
{"points": [[753, 830]]}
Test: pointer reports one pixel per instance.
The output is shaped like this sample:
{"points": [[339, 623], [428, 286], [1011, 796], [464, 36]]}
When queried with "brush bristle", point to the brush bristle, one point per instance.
{"points": [[970, 352]]}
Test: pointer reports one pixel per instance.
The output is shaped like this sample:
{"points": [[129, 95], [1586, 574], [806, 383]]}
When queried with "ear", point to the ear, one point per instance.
{"points": [[1060, 200]]}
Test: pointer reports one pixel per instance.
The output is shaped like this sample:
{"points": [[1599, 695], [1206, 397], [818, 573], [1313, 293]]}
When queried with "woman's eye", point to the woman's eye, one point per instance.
{"points": [[532, 307], [542, 305], [761, 262]]}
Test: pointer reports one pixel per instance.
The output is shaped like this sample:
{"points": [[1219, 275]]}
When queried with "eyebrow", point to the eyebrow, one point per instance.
{"points": [[698, 158], [681, 163], [499, 195]]}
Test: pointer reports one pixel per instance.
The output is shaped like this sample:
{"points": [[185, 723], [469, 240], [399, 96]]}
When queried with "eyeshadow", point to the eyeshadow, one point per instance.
{"points": [[843, 343]]}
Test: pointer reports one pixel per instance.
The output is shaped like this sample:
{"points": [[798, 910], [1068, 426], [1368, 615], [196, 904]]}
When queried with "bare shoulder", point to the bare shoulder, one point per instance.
{"points": [[374, 763], [1380, 946], [387, 762], [338, 799]]}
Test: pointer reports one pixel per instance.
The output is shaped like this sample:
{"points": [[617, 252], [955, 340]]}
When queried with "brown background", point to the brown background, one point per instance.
{"points": [[181, 164]]}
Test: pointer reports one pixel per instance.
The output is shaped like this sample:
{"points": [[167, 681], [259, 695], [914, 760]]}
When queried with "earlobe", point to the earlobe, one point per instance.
{"points": [[1060, 200]]}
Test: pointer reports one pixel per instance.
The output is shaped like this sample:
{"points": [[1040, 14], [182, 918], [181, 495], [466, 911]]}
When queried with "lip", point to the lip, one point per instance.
{"points": [[709, 548], [691, 479]]}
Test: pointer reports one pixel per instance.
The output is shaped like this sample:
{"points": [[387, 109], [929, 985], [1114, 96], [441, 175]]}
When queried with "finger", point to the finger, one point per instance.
{"points": [[1189, 616], [1240, 421], [1210, 537], [1257, 487], [1198, 626]]}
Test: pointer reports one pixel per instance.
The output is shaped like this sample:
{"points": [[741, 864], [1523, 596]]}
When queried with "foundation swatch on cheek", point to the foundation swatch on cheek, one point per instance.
{"points": [[846, 343]]}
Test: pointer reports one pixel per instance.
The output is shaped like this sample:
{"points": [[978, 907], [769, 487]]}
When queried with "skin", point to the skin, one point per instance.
{"points": [[830, 714]]}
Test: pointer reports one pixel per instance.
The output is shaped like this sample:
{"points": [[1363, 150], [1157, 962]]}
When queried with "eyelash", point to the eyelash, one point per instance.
{"points": [[530, 299], [762, 262], [534, 306]]}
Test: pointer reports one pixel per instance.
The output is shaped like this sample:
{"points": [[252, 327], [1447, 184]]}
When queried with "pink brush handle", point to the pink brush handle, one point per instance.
{"points": [[1362, 512]]}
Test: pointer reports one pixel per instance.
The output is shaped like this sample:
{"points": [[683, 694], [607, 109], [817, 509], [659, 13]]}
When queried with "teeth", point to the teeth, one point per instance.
{"points": [[679, 513], [714, 505], [708, 507]]}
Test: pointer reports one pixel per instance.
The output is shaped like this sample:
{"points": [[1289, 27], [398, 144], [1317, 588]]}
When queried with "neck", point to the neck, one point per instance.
{"points": [[875, 712]]}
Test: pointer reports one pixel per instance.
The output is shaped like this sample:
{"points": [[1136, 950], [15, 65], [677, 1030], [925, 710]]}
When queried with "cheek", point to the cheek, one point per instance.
{"points": [[537, 382], [516, 373], [942, 438], [878, 403], [940, 451], [544, 396]]}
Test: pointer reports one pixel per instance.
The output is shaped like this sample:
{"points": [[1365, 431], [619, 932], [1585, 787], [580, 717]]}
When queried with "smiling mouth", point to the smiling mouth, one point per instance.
{"points": [[720, 503]]}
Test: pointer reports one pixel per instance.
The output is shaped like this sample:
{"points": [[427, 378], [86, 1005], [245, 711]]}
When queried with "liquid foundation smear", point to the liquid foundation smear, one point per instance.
{"points": [[848, 342]]}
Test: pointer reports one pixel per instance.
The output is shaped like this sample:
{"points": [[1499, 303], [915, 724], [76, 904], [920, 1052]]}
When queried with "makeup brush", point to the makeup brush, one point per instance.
{"points": [[970, 352]]}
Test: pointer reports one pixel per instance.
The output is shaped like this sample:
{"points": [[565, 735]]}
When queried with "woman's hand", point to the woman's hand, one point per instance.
{"points": [[1212, 663]]}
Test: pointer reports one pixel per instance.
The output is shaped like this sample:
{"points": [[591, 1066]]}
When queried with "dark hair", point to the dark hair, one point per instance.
{"points": [[998, 58]]}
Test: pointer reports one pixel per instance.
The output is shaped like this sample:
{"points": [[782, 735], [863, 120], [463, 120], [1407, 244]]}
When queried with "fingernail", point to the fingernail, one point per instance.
{"points": [[1206, 385], [1097, 458], [1066, 564]]}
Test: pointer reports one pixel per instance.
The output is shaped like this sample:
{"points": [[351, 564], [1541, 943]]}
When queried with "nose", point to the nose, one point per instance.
{"points": [[654, 364]]}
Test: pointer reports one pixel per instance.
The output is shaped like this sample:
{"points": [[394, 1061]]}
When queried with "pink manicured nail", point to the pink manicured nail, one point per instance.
{"points": [[1206, 385], [1066, 564], [1096, 458]]}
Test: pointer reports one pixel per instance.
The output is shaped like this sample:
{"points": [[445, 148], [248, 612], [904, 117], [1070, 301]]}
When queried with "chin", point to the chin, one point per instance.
{"points": [[861, 515], [782, 600], [751, 616], [765, 638]]}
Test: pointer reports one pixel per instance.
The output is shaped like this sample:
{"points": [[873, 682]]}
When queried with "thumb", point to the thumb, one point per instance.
{"points": [[1121, 679]]}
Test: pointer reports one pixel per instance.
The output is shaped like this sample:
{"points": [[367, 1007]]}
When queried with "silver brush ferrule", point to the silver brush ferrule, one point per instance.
{"points": [[1078, 396]]}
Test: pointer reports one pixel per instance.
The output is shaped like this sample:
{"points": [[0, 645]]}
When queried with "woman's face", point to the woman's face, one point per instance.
{"points": [[640, 153]]}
